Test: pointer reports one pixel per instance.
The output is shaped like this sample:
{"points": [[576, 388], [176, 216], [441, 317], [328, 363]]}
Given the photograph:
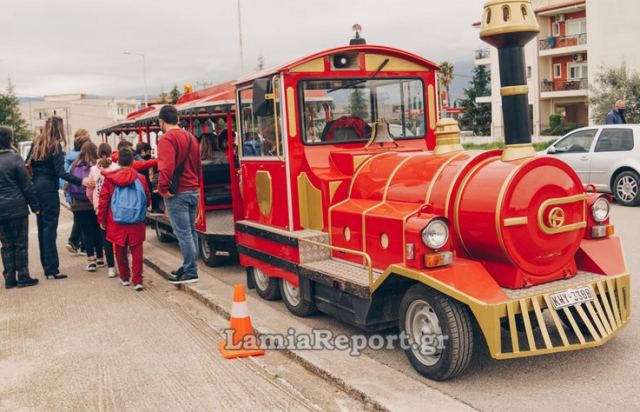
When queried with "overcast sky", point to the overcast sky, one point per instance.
{"points": [[69, 46]]}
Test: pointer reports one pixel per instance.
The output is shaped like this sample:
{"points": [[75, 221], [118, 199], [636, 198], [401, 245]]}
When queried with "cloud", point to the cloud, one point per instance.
{"points": [[71, 46]]}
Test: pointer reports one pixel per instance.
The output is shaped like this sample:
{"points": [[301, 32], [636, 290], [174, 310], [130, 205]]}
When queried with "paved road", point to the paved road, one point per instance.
{"points": [[87, 343], [602, 378]]}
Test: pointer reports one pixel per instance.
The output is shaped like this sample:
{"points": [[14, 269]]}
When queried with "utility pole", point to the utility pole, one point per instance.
{"points": [[144, 73], [240, 38]]}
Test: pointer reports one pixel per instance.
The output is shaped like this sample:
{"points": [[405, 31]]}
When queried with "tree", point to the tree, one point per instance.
{"points": [[477, 116], [446, 77], [175, 94], [358, 105], [10, 114], [611, 84]]}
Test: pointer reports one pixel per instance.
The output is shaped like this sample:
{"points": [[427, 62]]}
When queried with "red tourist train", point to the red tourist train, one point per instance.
{"points": [[352, 199]]}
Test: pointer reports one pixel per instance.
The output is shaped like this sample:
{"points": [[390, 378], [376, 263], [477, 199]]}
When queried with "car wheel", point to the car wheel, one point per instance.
{"points": [[162, 236], [439, 333], [267, 287], [626, 188], [208, 253], [292, 297]]}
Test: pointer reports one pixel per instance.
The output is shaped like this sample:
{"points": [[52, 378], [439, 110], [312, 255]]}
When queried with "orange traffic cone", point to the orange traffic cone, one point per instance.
{"points": [[243, 341]]}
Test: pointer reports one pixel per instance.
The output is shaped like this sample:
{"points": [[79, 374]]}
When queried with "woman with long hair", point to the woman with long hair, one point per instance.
{"points": [[46, 160], [83, 209], [104, 164]]}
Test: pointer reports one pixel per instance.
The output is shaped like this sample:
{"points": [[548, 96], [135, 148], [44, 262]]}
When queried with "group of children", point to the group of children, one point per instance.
{"points": [[111, 215]]}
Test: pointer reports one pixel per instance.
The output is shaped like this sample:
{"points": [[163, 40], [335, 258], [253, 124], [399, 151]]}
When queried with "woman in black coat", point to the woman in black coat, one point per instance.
{"points": [[16, 191], [47, 163]]}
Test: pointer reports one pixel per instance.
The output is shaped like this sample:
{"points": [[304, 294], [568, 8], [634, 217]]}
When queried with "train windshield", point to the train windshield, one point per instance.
{"points": [[343, 110]]}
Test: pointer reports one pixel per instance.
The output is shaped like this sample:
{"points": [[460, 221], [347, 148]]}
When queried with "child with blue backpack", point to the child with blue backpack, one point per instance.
{"points": [[124, 199], [83, 209]]}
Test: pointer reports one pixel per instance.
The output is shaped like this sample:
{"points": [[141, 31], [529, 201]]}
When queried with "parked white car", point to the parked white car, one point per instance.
{"points": [[607, 157]]}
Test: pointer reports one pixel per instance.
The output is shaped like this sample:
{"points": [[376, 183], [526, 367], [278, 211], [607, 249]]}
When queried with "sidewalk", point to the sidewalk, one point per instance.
{"points": [[378, 385], [88, 343]]}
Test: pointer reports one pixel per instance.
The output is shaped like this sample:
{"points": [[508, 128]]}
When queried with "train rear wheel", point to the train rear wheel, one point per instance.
{"points": [[267, 287], [439, 333], [208, 253], [292, 297], [162, 236]]}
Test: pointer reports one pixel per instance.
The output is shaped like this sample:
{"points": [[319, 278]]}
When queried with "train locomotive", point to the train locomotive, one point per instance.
{"points": [[353, 199], [362, 205]]}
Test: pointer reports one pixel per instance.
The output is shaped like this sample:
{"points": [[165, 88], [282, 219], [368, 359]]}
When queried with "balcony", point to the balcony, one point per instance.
{"points": [[563, 45], [483, 57], [550, 89]]}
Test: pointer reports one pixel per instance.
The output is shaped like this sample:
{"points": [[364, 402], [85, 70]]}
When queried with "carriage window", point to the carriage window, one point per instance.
{"points": [[343, 110], [258, 132]]}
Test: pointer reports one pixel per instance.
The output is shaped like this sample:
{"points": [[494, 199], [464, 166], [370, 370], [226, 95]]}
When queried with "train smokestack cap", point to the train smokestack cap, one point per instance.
{"points": [[508, 23]]}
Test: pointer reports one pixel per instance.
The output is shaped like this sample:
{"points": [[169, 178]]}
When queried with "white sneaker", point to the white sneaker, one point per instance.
{"points": [[91, 267], [112, 273], [100, 263], [138, 287], [125, 282]]}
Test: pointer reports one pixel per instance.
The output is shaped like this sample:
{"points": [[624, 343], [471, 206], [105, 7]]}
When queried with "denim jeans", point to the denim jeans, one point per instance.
{"points": [[182, 212]]}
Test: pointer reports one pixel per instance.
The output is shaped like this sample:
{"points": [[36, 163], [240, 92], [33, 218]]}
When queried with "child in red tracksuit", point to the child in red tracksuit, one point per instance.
{"points": [[125, 237]]}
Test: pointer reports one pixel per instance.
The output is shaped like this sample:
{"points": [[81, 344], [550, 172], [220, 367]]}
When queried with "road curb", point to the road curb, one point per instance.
{"points": [[380, 387]]}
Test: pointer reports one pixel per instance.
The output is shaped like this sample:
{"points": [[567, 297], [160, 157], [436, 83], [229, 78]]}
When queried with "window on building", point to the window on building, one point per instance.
{"points": [[577, 71], [557, 71], [615, 140], [578, 142], [555, 29], [528, 72], [576, 27]]}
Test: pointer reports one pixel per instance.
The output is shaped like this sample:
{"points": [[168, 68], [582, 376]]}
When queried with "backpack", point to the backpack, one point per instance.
{"points": [[78, 192], [129, 204]]}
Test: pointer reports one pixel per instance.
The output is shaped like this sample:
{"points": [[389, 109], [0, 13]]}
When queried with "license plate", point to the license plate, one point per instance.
{"points": [[571, 297]]}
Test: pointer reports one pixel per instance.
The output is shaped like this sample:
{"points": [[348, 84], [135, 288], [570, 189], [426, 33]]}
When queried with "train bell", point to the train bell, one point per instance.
{"points": [[380, 134]]}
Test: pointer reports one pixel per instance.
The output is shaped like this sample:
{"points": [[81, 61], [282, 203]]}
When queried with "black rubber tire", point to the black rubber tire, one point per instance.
{"points": [[271, 292], [208, 253], [303, 308], [455, 322], [162, 237], [636, 200]]}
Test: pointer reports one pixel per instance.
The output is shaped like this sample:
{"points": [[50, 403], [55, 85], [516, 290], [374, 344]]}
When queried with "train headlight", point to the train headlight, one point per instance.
{"points": [[600, 210], [436, 234]]}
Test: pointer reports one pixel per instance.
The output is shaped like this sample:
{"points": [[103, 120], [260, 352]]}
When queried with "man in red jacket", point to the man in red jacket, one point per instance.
{"points": [[179, 184]]}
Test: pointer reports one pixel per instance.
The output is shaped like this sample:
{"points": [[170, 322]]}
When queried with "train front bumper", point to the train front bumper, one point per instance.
{"points": [[528, 325]]}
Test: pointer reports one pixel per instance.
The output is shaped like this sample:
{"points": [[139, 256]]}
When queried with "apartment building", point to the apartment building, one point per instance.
{"points": [[78, 111], [576, 39]]}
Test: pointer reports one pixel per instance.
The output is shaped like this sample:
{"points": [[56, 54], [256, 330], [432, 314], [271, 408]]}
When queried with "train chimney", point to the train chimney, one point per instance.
{"points": [[508, 25], [447, 137]]}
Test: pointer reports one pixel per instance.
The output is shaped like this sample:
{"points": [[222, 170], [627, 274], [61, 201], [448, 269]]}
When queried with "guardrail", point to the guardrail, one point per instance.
{"points": [[563, 85], [555, 42]]}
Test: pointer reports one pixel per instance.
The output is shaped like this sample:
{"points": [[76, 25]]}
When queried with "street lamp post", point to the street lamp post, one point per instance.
{"points": [[144, 73]]}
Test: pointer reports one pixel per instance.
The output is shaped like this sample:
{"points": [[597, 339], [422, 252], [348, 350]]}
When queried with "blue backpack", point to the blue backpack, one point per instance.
{"points": [[129, 204]]}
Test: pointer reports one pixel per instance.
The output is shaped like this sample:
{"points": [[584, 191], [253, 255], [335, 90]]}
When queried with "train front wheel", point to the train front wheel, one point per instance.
{"points": [[438, 332]]}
